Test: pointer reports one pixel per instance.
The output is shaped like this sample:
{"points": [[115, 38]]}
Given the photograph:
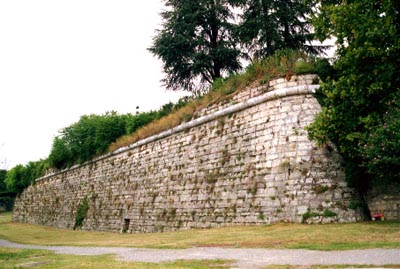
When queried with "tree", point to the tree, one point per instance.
{"points": [[381, 151], [196, 43], [60, 155], [2, 183], [88, 137], [366, 91], [271, 25], [21, 176], [6, 197]]}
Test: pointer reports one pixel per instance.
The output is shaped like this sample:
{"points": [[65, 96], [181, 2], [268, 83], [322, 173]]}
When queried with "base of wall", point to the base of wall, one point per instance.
{"points": [[385, 203]]}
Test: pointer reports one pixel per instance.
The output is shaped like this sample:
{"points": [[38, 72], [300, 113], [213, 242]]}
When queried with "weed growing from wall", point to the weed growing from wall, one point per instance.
{"points": [[81, 213]]}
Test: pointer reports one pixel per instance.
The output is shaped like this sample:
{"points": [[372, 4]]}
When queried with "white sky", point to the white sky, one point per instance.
{"points": [[62, 59]]}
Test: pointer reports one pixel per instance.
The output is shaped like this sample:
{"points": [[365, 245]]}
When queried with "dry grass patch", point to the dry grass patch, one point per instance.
{"points": [[319, 237]]}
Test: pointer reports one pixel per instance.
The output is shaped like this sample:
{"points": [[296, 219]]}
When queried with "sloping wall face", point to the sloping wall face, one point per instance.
{"points": [[246, 161]]}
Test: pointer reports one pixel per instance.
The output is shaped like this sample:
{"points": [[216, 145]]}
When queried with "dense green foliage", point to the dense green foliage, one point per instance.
{"points": [[22, 176], [271, 25], [88, 137], [6, 197], [382, 149], [84, 139], [93, 134], [361, 102], [3, 174], [196, 43]]}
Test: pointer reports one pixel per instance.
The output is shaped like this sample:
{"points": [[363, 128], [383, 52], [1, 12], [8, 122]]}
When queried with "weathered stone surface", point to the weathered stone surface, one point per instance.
{"points": [[245, 161]]}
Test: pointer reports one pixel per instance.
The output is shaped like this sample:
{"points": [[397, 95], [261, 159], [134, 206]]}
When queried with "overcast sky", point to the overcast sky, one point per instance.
{"points": [[62, 59]]}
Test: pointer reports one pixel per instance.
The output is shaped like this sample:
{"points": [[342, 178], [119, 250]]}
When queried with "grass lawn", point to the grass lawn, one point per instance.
{"points": [[317, 237], [24, 258], [42, 259]]}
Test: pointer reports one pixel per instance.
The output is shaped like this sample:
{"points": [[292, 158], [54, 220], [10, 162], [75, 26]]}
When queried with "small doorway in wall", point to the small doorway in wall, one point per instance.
{"points": [[125, 228]]}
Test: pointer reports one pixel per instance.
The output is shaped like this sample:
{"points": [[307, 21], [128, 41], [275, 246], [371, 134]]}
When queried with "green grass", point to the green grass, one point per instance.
{"points": [[23, 258], [316, 237], [321, 237]]}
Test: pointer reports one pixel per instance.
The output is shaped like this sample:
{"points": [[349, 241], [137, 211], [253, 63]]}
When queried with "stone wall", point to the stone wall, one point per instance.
{"points": [[243, 161], [386, 201]]}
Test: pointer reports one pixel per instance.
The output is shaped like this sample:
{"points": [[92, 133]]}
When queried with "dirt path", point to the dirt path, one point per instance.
{"points": [[245, 258]]}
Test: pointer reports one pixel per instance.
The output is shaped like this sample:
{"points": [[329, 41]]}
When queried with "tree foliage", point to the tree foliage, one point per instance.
{"points": [[364, 95], [6, 197], [84, 139], [3, 187], [196, 43], [21, 176], [271, 25], [382, 149], [200, 40], [93, 134]]}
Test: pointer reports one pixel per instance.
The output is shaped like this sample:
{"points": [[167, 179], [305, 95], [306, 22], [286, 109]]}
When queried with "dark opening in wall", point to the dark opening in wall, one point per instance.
{"points": [[125, 228]]}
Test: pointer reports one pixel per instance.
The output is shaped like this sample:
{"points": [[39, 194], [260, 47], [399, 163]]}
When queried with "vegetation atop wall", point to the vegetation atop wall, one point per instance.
{"points": [[94, 135], [283, 63]]}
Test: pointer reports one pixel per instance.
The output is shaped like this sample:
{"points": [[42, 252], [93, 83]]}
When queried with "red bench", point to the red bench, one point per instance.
{"points": [[378, 216]]}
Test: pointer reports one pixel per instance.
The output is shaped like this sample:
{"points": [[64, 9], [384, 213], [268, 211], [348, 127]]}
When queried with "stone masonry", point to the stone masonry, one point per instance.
{"points": [[385, 201], [239, 162]]}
